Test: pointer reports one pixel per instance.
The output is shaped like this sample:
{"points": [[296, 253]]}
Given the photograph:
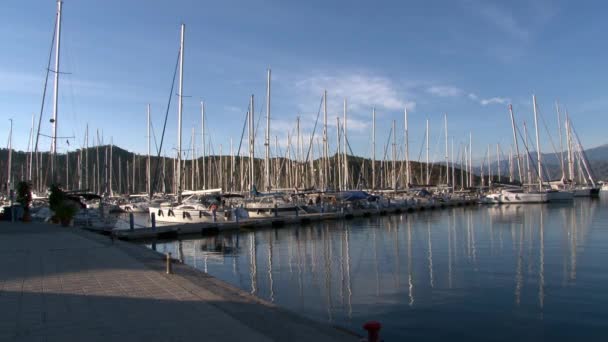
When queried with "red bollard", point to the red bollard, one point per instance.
{"points": [[373, 331]]}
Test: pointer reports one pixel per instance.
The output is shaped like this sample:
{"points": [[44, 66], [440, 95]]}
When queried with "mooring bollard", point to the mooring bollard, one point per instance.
{"points": [[373, 331], [276, 210], [131, 221], [169, 270], [153, 220]]}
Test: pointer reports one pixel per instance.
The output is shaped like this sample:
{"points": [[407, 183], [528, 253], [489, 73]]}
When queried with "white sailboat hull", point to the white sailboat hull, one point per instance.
{"points": [[506, 197], [173, 215]]}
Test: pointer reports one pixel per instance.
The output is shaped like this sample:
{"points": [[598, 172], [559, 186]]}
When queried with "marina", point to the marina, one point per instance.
{"points": [[294, 186], [143, 229]]}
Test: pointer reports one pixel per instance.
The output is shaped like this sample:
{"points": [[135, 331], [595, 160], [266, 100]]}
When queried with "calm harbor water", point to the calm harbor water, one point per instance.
{"points": [[504, 273]]}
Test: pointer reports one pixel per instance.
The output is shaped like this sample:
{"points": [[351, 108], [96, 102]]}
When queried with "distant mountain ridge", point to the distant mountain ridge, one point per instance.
{"points": [[597, 156]]}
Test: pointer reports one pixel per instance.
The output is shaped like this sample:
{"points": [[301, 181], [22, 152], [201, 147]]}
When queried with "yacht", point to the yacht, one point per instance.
{"points": [[515, 195], [206, 206]]}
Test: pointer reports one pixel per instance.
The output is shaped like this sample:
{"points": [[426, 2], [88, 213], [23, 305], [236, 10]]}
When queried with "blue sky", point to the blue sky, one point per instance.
{"points": [[468, 59]]}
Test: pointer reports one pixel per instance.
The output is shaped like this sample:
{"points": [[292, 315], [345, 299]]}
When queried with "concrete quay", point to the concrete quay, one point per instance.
{"points": [[65, 284]]}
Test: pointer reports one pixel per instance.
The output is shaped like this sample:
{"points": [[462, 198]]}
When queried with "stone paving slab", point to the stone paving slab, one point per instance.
{"points": [[63, 284]]}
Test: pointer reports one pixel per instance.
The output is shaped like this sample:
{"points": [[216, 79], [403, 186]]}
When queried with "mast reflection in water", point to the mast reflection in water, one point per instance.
{"points": [[511, 272]]}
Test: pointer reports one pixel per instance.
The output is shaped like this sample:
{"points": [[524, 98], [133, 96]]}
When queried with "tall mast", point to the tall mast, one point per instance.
{"points": [[511, 165], [105, 174], [267, 138], [470, 159], [10, 158], [133, 174], [374, 148], [164, 175], [489, 168], [148, 164], [569, 142], [110, 169], [561, 142], [98, 166], [29, 171], [192, 161], [251, 145], [324, 166], [56, 90], [86, 159], [231, 166], [298, 152], [498, 160], [179, 115], [394, 174], [466, 165], [453, 167], [538, 154], [203, 145], [528, 170], [67, 168], [517, 155], [119, 175], [428, 175], [447, 156], [338, 185], [345, 187], [407, 151]]}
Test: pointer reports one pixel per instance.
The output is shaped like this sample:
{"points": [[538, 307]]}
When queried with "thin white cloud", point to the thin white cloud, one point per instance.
{"points": [[494, 100], [488, 101], [360, 90], [445, 91]]}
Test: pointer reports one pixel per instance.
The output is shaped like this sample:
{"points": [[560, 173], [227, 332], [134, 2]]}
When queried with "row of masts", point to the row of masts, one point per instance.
{"points": [[296, 167]]}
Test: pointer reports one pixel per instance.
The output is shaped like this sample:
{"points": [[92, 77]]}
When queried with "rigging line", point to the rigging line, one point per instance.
{"points": [[314, 130], [239, 149], [527, 150], [257, 125], [388, 142], [46, 81], [162, 138], [153, 135], [582, 151], [549, 134], [422, 147], [283, 162]]}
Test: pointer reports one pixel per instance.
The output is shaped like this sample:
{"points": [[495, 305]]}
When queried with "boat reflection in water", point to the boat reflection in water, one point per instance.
{"points": [[500, 273]]}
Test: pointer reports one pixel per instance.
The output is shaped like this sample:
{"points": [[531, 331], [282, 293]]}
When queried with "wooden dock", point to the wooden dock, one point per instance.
{"points": [[173, 231]]}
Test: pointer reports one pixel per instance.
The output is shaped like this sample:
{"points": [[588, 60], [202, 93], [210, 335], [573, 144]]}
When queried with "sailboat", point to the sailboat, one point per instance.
{"points": [[268, 204], [199, 206], [518, 194]]}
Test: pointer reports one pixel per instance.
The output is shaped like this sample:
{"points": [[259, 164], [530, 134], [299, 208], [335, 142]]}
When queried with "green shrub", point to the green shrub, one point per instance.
{"points": [[56, 198], [24, 194], [66, 210]]}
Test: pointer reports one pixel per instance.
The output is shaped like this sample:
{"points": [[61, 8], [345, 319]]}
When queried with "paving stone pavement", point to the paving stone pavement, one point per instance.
{"points": [[63, 284]]}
